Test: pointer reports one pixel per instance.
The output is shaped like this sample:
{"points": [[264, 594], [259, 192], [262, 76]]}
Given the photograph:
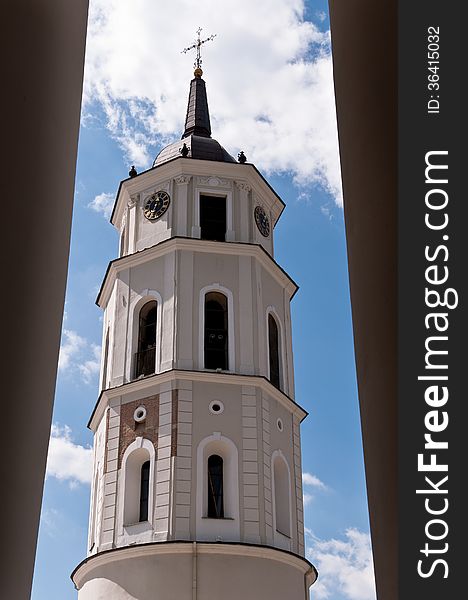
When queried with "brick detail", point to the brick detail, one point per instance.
{"points": [[130, 429]]}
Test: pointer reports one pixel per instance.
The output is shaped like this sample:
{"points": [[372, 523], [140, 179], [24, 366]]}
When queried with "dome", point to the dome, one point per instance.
{"points": [[197, 132], [200, 147]]}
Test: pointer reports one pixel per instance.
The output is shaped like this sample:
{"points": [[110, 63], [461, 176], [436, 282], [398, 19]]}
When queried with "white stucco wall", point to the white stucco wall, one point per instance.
{"points": [[177, 272], [191, 571]]}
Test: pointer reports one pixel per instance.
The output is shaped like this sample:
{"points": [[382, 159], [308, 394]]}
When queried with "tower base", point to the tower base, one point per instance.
{"points": [[194, 571]]}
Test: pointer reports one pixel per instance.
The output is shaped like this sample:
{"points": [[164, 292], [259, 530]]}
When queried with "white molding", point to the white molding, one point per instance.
{"points": [[138, 444], [279, 539], [244, 186], [216, 287], [215, 181], [193, 245], [218, 193], [133, 322], [282, 354], [85, 570], [229, 527], [194, 167], [182, 179], [148, 384]]}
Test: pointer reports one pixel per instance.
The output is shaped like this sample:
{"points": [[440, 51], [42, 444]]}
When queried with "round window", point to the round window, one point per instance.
{"points": [[279, 424], [140, 414], [216, 407]]}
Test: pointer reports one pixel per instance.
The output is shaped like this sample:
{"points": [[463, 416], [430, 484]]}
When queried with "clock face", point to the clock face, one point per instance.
{"points": [[156, 205], [262, 221]]}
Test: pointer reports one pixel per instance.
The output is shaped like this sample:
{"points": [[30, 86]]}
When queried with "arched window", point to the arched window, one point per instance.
{"points": [[274, 350], [144, 490], [136, 488], [216, 331], [215, 487], [281, 485], [145, 358]]}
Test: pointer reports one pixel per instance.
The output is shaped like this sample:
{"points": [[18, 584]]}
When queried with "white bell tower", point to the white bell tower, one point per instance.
{"points": [[197, 489]]}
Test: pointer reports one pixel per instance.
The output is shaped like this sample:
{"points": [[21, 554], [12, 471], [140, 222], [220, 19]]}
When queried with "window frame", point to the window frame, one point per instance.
{"points": [[281, 538], [133, 331], [271, 310], [140, 339], [219, 199], [216, 287], [218, 193], [208, 528], [123, 529], [224, 310]]}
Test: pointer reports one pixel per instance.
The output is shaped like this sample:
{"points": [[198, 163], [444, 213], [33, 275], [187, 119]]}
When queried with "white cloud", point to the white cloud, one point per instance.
{"points": [[79, 355], [314, 481], [268, 73], [50, 518], [311, 481], [103, 203], [91, 367], [321, 15], [71, 346], [66, 460], [345, 566]]}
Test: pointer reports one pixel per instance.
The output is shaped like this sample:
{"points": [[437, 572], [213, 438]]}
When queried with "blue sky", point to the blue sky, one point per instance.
{"points": [[126, 118]]}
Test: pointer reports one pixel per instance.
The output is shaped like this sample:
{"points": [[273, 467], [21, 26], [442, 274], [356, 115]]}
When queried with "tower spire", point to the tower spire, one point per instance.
{"points": [[197, 120]]}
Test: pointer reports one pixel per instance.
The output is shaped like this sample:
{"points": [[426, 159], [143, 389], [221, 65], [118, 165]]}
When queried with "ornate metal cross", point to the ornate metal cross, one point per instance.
{"points": [[197, 45]]}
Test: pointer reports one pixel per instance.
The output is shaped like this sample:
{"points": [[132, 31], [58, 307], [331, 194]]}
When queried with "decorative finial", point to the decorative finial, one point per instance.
{"points": [[184, 150], [133, 172], [241, 157], [197, 45]]}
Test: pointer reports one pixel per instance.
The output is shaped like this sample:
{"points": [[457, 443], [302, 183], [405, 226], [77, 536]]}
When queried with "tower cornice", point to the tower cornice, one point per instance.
{"points": [[246, 172], [148, 383], [193, 245], [249, 551]]}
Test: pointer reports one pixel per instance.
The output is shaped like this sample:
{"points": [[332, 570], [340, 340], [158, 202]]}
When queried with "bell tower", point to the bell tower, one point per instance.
{"points": [[196, 489]]}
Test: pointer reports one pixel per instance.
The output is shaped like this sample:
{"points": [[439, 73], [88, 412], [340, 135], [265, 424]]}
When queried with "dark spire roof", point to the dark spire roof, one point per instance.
{"points": [[197, 120], [197, 134]]}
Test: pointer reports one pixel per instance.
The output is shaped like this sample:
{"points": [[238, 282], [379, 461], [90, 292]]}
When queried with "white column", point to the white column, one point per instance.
{"points": [[250, 463], [244, 210], [182, 204], [132, 225], [168, 316], [289, 367], [186, 312], [246, 324]]}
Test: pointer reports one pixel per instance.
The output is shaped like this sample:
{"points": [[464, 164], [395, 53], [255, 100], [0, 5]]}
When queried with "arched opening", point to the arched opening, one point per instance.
{"points": [[137, 487], [216, 331], [145, 358], [281, 485], [215, 487], [144, 490], [274, 350]]}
